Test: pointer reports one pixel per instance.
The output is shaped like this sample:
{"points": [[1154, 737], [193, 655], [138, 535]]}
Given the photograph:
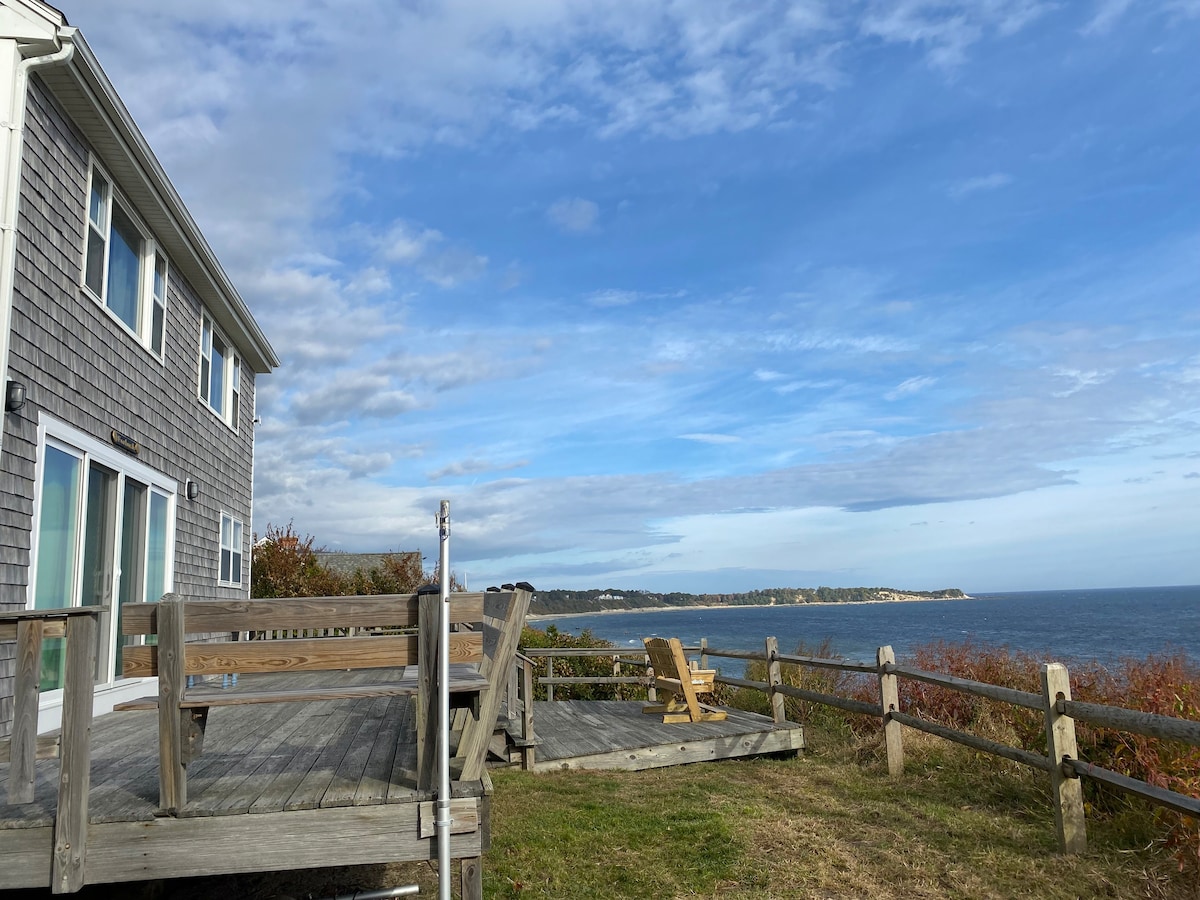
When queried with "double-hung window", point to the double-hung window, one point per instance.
{"points": [[220, 373], [123, 268], [231, 551]]}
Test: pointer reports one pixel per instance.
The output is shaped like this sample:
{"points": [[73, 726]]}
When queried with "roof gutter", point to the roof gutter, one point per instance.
{"points": [[12, 110]]}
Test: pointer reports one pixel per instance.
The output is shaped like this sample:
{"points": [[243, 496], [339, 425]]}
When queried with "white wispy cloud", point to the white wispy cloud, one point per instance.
{"points": [[709, 438], [910, 386], [1107, 14], [473, 467], [979, 183], [573, 214]]}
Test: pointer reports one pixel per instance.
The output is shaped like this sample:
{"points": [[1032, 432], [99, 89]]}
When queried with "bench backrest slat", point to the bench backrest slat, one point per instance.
{"points": [[297, 613], [303, 655]]}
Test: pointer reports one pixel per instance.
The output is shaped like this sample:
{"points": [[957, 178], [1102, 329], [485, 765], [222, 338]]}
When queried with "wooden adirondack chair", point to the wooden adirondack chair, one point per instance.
{"points": [[672, 673]]}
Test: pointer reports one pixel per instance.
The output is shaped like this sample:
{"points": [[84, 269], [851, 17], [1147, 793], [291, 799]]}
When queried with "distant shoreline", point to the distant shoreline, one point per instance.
{"points": [[537, 617]]}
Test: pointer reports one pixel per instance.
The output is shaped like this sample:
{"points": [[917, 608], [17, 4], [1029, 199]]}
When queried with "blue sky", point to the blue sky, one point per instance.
{"points": [[707, 296]]}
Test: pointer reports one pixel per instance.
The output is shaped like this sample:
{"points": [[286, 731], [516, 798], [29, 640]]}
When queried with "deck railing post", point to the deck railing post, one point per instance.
{"points": [[651, 688], [1065, 790], [527, 752], [704, 653], [774, 679], [889, 702], [428, 619], [549, 674], [75, 763], [22, 774], [172, 677]]}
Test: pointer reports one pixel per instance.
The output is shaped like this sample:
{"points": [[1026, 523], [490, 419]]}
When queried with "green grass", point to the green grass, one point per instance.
{"points": [[828, 825]]}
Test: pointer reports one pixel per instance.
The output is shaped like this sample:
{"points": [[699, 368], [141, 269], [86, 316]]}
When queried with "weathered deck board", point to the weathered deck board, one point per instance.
{"points": [[615, 734], [373, 785]]}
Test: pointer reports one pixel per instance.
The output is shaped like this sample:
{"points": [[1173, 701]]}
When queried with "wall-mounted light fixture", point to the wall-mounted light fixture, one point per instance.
{"points": [[14, 396], [192, 489]]}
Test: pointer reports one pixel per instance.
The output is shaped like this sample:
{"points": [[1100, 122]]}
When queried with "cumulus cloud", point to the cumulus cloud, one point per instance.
{"points": [[426, 251]]}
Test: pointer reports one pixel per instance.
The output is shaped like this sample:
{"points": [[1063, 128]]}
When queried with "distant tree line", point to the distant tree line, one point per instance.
{"points": [[561, 602]]}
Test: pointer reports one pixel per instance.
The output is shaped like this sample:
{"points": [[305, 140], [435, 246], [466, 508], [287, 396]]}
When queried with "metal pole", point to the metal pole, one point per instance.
{"points": [[409, 890], [442, 819]]}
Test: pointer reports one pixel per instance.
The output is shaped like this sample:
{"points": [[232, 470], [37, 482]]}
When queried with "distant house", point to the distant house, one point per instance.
{"points": [[128, 360], [349, 563]]}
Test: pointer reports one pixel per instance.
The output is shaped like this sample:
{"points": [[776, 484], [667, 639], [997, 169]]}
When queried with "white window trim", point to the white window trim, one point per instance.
{"points": [[152, 253], [231, 380], [53, 432], [237, 545]]}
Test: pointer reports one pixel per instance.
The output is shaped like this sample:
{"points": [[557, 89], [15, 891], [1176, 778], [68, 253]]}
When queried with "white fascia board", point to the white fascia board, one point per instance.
{"points": [[219, 293], [30, 22]]}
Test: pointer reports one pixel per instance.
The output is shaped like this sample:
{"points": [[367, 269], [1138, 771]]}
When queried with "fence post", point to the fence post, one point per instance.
{"points": [[616, 670], [75, 757], [704, 653], [774, 679], [549, 674], [21, 773], [1066, 792], [889, 702], [651, 687], [527, 752]]}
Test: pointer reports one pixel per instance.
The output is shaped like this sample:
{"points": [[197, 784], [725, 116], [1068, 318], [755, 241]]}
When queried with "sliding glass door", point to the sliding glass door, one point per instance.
{"points": [[104, 537]]}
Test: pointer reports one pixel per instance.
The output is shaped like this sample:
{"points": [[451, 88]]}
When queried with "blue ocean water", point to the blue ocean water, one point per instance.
{"points": [[1104, 625]]}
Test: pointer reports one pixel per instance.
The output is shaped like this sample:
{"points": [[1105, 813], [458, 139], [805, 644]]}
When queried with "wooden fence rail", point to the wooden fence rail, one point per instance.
{"points": [[1060, 760]]}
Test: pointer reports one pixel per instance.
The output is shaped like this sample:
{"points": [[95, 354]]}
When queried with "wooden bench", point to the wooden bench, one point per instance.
{"points": [[402, 634], [672, 673]]}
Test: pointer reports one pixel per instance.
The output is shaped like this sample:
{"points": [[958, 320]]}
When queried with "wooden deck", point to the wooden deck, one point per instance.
{"points": [[334, 777], [616, 734], [333, 782]]}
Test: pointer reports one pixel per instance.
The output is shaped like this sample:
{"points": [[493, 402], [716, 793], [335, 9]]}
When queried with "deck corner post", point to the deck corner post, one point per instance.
{"points": [[527, 752], [471, 887], [172, 678], [889, 702], [1066, 793], [75, 763], [774, 679], [22, 774], [428, 619]]}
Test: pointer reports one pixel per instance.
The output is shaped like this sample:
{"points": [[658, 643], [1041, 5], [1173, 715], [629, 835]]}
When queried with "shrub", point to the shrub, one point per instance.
{"points": [[284, 564], [576, 666], [1163, 684]]}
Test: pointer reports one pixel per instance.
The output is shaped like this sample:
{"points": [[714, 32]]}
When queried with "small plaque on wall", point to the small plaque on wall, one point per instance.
{"points": [[125, 442]]}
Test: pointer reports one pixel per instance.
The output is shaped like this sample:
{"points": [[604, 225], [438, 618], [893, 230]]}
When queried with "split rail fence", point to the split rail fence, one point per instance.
{"points": [[1061, 760]]}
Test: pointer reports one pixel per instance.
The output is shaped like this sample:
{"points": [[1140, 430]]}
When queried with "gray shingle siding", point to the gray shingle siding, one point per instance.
{"points": [[83, 368]]}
